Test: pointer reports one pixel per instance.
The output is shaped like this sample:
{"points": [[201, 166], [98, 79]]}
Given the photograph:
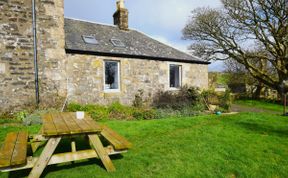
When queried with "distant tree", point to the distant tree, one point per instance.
{"points": [[239, 75], [252, 32]]}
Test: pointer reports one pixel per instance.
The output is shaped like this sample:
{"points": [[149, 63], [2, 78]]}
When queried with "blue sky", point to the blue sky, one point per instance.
{"points": [[160, 19]]}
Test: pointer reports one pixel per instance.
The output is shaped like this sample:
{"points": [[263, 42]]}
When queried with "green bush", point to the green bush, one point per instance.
{"points": [[114, 111], [73, 107], [144, 114], [186, 96], [138, 100], [97, 112], [185, 102], [20, 116], [121, 112], [223, 100]]}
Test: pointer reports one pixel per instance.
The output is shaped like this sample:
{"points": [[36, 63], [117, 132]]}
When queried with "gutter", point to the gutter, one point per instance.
{"points": [[35, 53], [75, 51]]}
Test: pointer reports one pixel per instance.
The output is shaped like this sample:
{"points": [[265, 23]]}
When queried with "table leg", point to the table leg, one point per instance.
{"points": [[73, 145], [44, 157], [101, 152]]}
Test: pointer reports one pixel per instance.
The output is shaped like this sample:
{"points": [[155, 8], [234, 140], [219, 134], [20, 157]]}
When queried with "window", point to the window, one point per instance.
{"points": [[112, 78], [175, 76], [89, 39], [117, 42]]}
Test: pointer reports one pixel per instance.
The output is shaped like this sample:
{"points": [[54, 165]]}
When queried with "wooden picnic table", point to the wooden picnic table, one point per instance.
{"points": [[57, 126]]}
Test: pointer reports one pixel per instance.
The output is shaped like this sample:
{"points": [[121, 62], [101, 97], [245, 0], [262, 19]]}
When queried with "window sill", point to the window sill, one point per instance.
{"points": [[173, 89], [112, 91]]}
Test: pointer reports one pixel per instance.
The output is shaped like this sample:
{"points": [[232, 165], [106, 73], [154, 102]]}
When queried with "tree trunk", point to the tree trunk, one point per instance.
{"points": [[257, 93]]}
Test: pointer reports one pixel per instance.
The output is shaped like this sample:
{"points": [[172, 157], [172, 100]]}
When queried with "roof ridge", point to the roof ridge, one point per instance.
{"points": [[98, 23]]}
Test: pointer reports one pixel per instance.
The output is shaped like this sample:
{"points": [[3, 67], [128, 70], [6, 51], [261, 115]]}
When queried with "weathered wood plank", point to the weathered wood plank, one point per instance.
{"points": [[96, 127], [20, 149], [7, 149], [65, 157], [115, 139], [101, 152], [60, 124], [86, 128], [44, 157], [71, 124], [48, 125], [66, 124]]}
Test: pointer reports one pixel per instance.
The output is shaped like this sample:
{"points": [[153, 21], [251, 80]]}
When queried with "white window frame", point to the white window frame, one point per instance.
{"points": [[180, 76], [104, 77]]}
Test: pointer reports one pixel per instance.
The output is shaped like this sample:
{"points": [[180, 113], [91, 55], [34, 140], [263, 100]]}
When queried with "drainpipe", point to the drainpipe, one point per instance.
{"points": [[35, 53]]}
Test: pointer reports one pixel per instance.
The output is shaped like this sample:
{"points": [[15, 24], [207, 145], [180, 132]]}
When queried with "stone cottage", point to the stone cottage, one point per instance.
{"points": [[85, 61]]}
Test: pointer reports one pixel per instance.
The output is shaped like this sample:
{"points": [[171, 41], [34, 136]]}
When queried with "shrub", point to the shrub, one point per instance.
{"points": [[121, 112], [73, 107], [97, 112], [144, 114], [186, 96], [225, 100], [138, 101], [20, 116], [114, 111], [222, 100]]}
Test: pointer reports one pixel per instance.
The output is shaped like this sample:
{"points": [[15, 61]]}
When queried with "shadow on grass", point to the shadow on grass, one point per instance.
{"points": [[264, 129], [64, 146], [64, 166]]}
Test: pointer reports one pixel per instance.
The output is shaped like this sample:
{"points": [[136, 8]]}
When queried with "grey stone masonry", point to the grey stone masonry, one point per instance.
{"points": [[16, 51], [86, 78]]}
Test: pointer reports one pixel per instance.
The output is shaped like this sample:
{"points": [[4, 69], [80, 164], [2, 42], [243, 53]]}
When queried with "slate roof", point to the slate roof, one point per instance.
{"points": [[137, 44]]}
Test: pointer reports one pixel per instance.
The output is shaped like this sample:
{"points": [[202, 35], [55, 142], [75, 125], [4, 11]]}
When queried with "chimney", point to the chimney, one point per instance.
{"points": [[121, 15]]}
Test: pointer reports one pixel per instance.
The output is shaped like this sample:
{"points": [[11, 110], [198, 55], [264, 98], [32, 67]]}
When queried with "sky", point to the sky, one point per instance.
{"points": [[162, 20]]}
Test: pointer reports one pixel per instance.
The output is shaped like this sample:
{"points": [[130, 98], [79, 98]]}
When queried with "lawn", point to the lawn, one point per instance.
{"points": [[261, 105], [242, 145]]}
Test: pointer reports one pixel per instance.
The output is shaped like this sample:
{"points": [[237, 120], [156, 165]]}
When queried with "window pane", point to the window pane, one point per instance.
{"points": [[175, 76], [111, 75]]}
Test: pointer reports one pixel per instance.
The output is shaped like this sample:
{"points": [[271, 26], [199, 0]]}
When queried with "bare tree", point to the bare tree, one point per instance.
{"points": [[252, 32], [238, 75]]}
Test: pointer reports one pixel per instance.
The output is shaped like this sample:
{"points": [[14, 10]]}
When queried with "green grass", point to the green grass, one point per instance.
{"points": [[242, 145], [260, 105]]}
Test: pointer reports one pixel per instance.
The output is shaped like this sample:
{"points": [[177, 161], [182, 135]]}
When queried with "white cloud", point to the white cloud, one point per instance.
{"points": [[169, 14]]}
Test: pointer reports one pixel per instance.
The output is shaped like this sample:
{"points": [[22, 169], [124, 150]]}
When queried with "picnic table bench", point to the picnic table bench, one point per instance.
{"points": [[56, 126], [14, 149]]}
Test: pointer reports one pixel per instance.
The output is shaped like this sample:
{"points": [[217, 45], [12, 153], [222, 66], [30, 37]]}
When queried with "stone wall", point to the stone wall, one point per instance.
{"points": [[78, 76], [86, 78], [16, 52]]}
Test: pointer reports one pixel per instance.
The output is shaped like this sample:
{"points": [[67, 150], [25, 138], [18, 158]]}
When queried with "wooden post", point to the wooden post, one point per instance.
{"points": [[44, 157], [101, 152], [73, 145]]}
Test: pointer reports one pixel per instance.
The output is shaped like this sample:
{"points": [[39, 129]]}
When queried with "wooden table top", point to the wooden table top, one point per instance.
{"points": [[66, 123]]}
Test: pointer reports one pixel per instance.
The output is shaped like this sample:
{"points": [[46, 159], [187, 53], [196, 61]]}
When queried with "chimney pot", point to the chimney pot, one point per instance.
{"points": [[120, 4]]}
